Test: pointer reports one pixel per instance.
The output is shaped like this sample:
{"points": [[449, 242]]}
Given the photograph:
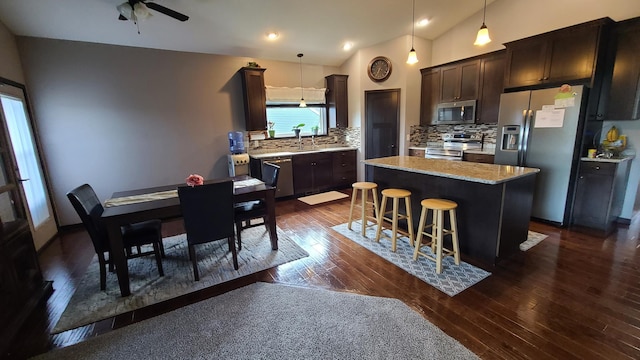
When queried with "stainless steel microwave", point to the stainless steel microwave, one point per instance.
{"points": [[459, 112]]}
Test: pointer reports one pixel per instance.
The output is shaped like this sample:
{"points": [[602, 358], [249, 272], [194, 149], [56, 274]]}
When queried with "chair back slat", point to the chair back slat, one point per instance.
{"points": [[88, 206], [270, 173], [207, 211]]}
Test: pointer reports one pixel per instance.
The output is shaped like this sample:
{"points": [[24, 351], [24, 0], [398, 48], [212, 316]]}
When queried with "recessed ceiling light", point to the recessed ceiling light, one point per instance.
{"points": [[272, 35], [423, 22], [347, 46]]}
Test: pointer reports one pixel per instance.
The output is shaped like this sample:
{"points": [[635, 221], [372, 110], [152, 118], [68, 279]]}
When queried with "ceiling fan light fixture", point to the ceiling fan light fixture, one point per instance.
{"points": [[125, 10], [141, 11]]}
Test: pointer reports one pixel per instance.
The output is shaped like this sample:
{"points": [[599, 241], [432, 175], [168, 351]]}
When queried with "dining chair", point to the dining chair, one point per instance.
{"points": [[207, 211], [247, 211], [88, 206]]}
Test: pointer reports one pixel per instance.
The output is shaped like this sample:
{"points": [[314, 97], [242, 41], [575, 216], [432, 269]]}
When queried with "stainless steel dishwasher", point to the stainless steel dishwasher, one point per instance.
{"points": [[285, 176]]}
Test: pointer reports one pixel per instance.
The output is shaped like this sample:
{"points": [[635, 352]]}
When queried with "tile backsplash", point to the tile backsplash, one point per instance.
{"points": [[337, 137], [432, 135]]}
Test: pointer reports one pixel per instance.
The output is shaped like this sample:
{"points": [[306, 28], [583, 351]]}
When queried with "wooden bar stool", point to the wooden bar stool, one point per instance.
{"points": [[396, 195], [364, 187], [438, 207]]}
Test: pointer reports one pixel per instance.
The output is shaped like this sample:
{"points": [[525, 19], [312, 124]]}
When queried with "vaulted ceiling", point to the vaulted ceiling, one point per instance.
{"points": [[239, 27]]}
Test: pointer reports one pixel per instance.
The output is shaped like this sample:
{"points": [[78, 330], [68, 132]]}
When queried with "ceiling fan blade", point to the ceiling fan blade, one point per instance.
{"points": [[159, 8]]}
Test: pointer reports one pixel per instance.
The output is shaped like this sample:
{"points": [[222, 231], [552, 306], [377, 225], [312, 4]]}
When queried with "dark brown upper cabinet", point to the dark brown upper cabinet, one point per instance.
{"points": [[429, 94], [460, 81], [491, 86], [624, 94], [255, 98], [566, 55], [337, 101]]}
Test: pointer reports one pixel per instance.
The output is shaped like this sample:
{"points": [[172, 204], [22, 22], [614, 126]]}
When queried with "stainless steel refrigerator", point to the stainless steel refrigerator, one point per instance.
{"points": [[543, 129]]}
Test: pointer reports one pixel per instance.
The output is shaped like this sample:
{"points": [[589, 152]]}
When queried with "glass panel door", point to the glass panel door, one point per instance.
{"points": [[25, 160]]}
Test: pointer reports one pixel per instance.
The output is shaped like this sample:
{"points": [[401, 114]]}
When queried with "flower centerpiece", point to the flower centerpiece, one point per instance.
{"points": [[272, 132], [194, 180]]}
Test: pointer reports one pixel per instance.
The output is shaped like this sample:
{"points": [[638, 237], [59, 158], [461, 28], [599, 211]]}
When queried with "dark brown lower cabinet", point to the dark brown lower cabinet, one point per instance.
{"points": [[479, 158], [344, 168], [21, 283], [600, 194], [321, 171], [312, 173]]}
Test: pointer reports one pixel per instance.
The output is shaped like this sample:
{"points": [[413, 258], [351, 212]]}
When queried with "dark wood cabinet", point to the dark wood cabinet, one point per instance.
{"points": [[600, 194], [337, 101], [255, 98], [624, 93], [566, 55], [344, 168], [479, 78], [312, 173], [21, 283], [417, 152], [479, 158], [459, 81], [429, 94], [491, 86]]}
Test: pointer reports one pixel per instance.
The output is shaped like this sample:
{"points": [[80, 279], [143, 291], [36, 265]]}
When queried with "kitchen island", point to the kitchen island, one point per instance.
{"points": [[494, 201]]}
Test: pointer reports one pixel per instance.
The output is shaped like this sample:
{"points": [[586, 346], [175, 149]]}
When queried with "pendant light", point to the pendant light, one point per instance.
{"points": [[413, 58], [302, 102], [483, 34]]}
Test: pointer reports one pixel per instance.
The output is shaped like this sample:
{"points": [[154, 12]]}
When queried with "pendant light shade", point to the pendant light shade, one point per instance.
{"points": [[483, 34], [413, 58], [302, 102]]}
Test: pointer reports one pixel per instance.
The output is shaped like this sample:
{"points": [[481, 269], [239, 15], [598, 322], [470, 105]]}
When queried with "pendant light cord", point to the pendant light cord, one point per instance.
{"points": [[484, 12], [301, 88], [413, 22]]}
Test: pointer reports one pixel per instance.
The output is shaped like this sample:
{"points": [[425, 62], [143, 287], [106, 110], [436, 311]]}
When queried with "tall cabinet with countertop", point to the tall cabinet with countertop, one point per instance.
{"points": [[600, 193]]}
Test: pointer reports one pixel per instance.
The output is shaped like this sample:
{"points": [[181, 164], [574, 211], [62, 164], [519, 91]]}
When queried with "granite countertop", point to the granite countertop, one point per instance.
{"points": [[461, 170], [263, 155], [610, 160]]}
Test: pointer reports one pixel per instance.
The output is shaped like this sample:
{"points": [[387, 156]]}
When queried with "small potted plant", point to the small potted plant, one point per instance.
{"points": [[272, 133], [314, 130], [297, 128]]}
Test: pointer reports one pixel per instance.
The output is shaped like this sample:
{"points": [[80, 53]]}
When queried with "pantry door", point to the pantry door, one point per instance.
{"points": [[23, 160]]}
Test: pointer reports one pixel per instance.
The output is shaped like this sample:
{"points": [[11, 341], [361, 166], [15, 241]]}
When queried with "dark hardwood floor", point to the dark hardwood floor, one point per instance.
{"points": [[573, 296]]}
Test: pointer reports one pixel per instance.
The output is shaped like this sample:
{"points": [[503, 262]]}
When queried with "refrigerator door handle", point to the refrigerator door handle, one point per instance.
{"points": [[521, 144], [528, 119]]}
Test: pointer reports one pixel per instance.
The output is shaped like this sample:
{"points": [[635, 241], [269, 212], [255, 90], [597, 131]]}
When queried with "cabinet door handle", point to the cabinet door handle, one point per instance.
{"points": [[597, 167], [546, 78]]}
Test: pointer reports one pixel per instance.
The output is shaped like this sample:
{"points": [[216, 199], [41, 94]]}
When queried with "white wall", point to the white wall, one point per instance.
{"points": [[510, 20], [403, 76], [123, 118], [10, 67]]}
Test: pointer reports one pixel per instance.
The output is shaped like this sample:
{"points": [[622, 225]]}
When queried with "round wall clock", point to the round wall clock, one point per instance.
{"points": [[379, 69]]}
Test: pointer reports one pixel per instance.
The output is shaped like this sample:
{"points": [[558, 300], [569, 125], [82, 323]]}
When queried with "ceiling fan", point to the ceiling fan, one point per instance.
{"points": [[139, 10]]}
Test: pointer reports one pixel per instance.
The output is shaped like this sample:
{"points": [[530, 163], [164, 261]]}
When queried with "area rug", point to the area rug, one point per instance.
{"points": [[533, 239], [453, 279], [322, 197], [272, 321], [88, 304]]}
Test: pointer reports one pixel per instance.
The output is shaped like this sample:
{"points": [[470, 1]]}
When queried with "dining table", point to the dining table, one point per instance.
{"points": [[162, 202]]}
